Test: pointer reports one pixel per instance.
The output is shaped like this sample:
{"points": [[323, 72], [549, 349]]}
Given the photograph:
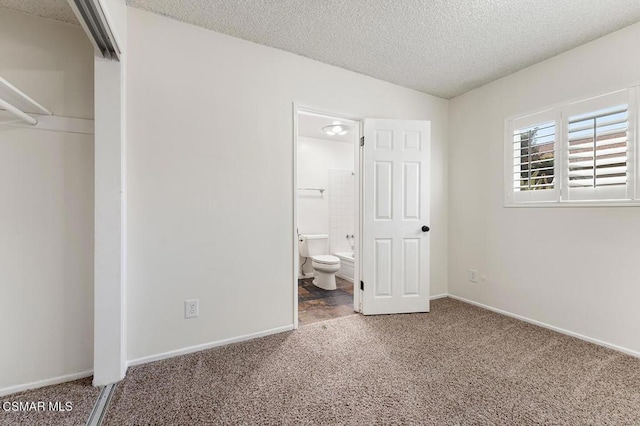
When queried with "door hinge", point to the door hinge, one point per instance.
{"points": [[362, 141], [362, 285]]}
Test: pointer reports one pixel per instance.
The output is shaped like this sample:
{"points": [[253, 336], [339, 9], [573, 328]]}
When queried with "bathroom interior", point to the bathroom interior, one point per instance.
{"points": [[326, 216]]}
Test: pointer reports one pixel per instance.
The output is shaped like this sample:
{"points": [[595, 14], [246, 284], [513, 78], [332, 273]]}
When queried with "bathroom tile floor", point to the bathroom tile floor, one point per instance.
{"points": [[316, 304]]}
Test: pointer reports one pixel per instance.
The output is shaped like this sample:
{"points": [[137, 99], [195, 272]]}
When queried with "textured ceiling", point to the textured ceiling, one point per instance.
{"points": [[53, 9], [442, 47]]}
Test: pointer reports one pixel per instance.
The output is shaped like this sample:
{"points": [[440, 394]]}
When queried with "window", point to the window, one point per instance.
{"points": [[534, 157], [581, 151], [532, 153]]}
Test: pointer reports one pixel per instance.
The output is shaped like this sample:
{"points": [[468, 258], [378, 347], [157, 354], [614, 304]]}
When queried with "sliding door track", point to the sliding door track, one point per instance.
{"points": [[101, 405]]}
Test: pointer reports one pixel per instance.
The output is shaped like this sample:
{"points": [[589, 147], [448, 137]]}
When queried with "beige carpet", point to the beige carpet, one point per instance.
{"points": [[80, 393], [457, 365]]}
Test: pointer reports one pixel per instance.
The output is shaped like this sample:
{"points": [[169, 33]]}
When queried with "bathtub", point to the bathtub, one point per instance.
{"points": [[346, 266]]}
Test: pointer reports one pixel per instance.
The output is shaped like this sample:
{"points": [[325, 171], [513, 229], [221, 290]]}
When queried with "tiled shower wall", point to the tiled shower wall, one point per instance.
{"points": [[341, 210]]}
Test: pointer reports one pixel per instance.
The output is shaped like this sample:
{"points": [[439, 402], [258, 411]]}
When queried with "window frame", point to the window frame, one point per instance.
{"points": [[546, 195], [561, 195]]}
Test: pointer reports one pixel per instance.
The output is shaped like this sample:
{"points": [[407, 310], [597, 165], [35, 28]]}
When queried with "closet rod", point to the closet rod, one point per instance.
{"points": [[15, 111]]}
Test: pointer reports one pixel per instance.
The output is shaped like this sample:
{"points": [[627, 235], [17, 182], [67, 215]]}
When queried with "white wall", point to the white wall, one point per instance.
{"points": [[110, 205], [46, 213], [315, 158], [572, 268], [110, 224], [210, 176]]}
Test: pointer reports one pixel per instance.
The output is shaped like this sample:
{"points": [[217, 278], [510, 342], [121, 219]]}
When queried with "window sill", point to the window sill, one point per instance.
{"points": [[564, 204]]}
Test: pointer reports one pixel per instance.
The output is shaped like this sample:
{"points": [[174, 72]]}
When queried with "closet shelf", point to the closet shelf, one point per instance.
{"points": [[18, 103]]}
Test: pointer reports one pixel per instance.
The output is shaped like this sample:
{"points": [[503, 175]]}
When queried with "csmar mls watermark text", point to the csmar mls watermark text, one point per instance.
{"points": [[24, 406]]}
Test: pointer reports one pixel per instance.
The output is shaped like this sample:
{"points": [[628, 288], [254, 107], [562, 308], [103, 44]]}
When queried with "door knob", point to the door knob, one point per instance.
{"points": [[425, 228]]}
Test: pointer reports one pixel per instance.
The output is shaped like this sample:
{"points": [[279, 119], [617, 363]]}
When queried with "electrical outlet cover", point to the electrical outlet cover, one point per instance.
{"points": [[191, 309]]}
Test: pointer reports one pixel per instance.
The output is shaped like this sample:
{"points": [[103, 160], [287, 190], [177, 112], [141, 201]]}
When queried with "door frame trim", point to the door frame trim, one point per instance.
{"points": [[297, 107]]}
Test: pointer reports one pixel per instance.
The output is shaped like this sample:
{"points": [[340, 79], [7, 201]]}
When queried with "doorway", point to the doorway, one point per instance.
{"points": [[326, 215], [390, 206]]}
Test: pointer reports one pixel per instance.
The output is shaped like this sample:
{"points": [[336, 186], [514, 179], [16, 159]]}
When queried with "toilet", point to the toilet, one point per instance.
{"points": [[325, 266]]}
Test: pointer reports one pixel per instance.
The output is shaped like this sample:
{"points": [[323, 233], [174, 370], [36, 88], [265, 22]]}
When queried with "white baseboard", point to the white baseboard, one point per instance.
{"points": [[550, 327], [438, 296], [204, 346], [47, 382]]}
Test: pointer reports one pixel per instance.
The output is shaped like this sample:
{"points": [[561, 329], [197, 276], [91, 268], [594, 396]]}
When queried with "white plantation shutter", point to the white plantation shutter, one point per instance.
{"points": [[598, 161], [532, 155], [533, 150], [580, 151], [598, 148]]}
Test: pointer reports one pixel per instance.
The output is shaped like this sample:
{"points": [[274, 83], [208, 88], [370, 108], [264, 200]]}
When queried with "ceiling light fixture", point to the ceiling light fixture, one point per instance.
{"points": [[336, 128]]}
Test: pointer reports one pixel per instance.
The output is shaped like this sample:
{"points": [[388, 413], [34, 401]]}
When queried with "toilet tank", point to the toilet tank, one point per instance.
{"points": [[313, 244]]}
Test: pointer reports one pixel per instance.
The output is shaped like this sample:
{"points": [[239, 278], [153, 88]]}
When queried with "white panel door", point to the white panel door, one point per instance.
{"points": [[395, 241]]}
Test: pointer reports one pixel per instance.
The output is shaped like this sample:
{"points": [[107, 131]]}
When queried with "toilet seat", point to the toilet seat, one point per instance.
{"points": [[326, 259], [325, 267]]}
